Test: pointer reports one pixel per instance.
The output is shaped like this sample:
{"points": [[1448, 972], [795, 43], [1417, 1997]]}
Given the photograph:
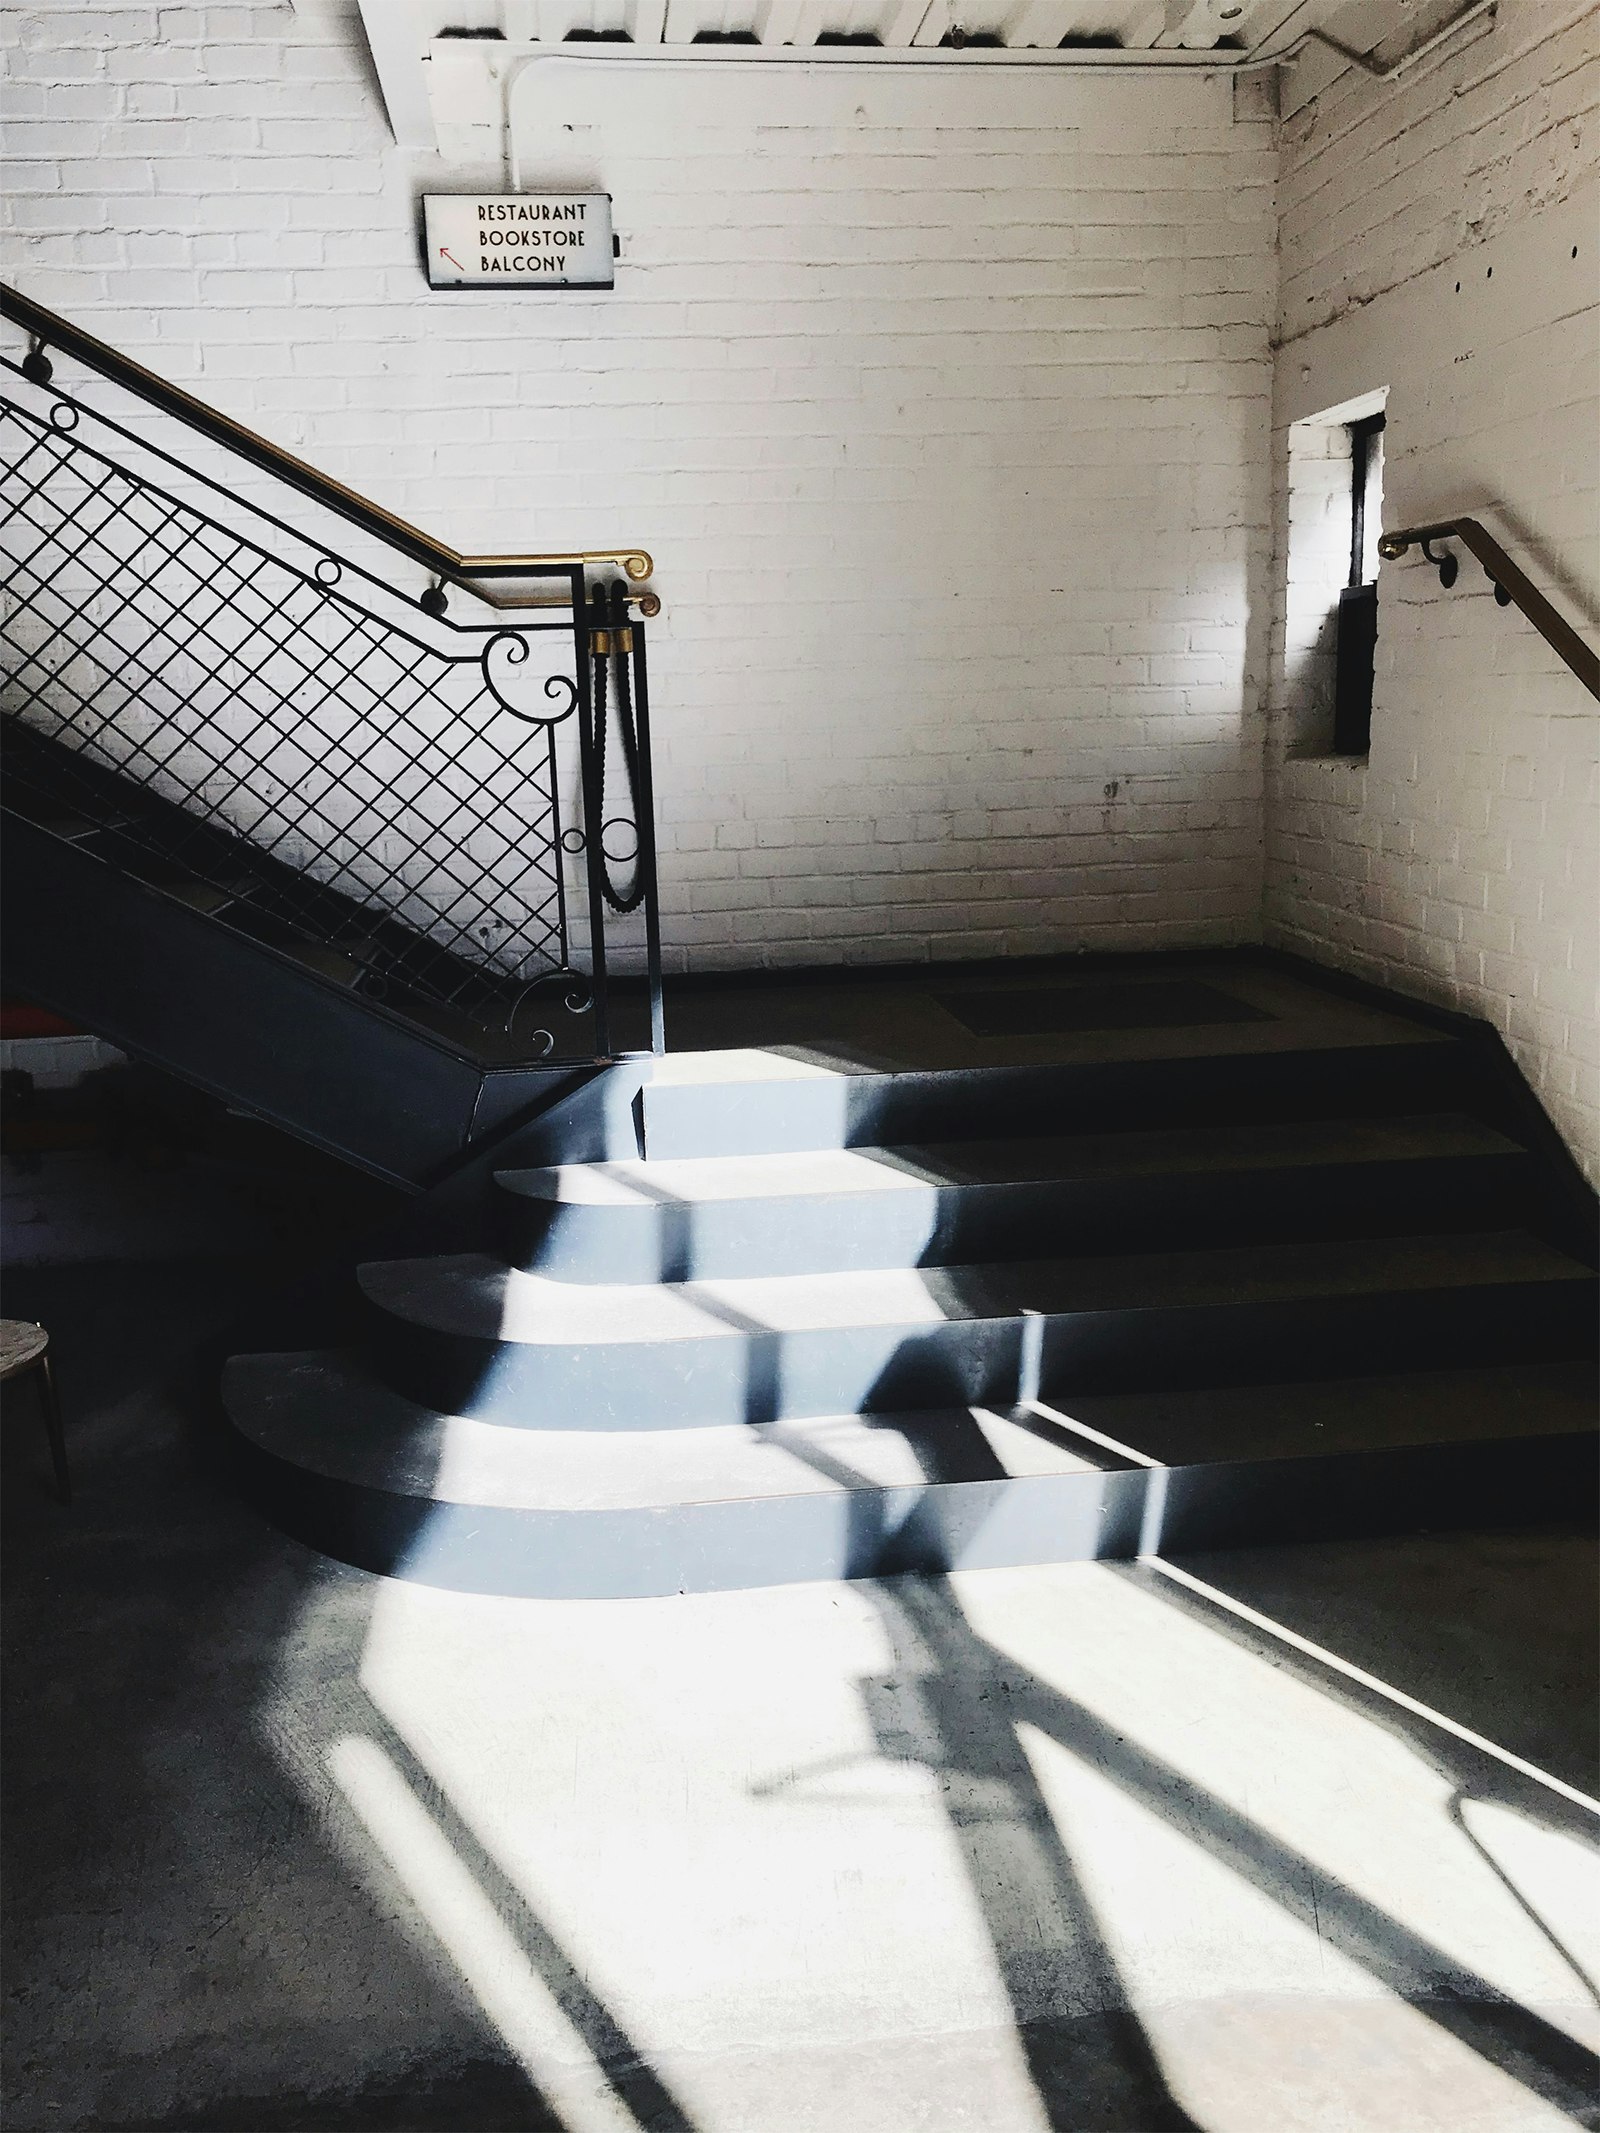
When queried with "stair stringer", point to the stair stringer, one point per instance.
{"points": [[240, 1020]]}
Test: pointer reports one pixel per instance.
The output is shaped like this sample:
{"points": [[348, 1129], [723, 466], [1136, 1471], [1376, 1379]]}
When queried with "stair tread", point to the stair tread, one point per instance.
{"points": [[749, 1066], [206, 896], [73, 826], [324, 1412], [326, 962], [748, 1101], [913, 1168], [480, 1298], [1316, 1416]]}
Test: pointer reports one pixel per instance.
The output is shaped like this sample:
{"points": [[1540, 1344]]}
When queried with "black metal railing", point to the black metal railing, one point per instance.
{"points": [[266, 726]]}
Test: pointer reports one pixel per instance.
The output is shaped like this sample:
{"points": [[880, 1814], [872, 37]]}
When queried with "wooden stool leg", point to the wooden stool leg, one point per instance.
{"points": [[50, 1405]]}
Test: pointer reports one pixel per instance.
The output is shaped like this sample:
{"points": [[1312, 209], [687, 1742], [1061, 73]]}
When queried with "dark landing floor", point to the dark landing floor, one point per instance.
{"points": [[1052, 1008], [292, 1847]]}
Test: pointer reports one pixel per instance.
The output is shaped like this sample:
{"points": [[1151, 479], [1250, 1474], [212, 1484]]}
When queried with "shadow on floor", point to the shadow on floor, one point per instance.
{"points": [[1500, 1634], [150, 1826], [155, 1829], [955, 1704]]}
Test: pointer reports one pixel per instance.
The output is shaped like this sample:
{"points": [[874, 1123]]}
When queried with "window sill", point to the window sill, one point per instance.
{"points": [[1334, 778]]}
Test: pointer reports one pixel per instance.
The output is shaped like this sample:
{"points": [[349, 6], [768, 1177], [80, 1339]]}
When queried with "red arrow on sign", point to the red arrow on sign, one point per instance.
{"points": [[446, 254]]}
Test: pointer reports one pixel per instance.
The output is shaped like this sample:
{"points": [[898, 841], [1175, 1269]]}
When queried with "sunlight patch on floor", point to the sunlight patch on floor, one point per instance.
{"points": [[871, 1833], [1275, 1769], [478, 1942]]}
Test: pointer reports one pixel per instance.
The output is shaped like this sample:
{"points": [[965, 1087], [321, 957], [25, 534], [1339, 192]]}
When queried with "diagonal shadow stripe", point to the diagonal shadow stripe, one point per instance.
{"points": [[629, 2073], [1516, 2039]]}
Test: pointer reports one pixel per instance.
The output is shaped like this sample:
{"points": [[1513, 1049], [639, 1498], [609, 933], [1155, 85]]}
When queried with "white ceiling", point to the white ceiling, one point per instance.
{"points": [[414, 42], [1242, 26], [918, 24]]}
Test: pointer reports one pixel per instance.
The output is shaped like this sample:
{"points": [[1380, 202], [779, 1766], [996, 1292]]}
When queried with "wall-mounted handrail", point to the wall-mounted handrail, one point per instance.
{"points": [[1510, 585], [50, 330]]}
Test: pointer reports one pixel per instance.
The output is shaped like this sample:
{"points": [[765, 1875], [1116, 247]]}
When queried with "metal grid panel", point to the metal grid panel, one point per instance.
{"points": [[418, 783]]}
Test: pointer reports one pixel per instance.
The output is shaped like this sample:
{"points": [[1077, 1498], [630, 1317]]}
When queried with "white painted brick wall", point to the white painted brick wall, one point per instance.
{"points": [[1441, 237], [942, 401]]}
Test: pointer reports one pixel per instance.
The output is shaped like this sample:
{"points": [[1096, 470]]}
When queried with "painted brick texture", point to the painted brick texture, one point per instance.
{"points": [[1441, 238], [943, 404]]}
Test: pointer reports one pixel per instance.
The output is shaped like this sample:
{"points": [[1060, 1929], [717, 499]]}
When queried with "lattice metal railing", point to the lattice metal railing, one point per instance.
{"points": [[393, 790]]}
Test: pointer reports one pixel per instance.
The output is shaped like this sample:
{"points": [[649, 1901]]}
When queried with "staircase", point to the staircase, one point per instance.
{"points": [[188, 949], [289, 820], [799, 1313], [899, 1272]]}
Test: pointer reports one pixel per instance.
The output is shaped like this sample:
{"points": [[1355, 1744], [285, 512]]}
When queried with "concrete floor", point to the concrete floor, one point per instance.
{"points": [[1078, 1847]]}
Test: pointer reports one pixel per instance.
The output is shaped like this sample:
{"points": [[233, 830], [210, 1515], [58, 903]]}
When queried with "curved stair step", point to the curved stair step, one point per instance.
{"points": [[817, 1210], [472, 1336], [360, 1472]]}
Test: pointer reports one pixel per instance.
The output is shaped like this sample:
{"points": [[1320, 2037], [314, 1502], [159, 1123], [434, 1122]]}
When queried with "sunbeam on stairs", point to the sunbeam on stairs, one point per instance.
{"points": [[845, 1310]]}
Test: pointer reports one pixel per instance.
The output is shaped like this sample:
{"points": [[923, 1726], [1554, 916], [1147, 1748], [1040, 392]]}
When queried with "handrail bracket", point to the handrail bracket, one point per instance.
{"points": [[1511, 586]]}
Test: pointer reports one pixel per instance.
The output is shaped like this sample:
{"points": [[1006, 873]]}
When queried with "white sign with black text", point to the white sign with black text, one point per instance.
{"points": [[518, 241]]}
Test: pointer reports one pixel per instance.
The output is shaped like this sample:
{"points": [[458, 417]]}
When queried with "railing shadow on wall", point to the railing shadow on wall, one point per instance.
{"points": [[448, 810]]}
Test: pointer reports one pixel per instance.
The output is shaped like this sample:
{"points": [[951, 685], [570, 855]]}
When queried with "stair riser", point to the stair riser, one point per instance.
{"points": [[761, 1377], [717, 1547], [953, 1225], [885, 1110]]}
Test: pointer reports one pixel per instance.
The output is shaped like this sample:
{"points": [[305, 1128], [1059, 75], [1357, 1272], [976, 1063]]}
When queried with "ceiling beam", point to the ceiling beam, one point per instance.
{"points": [[778, 22], [1174, 22], [396, 41], [1036, 23], [905, 22]]}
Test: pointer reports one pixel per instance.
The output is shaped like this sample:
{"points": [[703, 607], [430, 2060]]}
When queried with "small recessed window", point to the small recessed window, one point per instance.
{"points": [[1356, 643]]}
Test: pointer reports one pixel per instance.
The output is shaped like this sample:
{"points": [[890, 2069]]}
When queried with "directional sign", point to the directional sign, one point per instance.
{"points": [[518, 241]]}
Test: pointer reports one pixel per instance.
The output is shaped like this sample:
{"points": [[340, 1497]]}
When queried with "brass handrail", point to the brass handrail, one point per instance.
{"points": [[49, 329], [648, 603], [1510, 583]]}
